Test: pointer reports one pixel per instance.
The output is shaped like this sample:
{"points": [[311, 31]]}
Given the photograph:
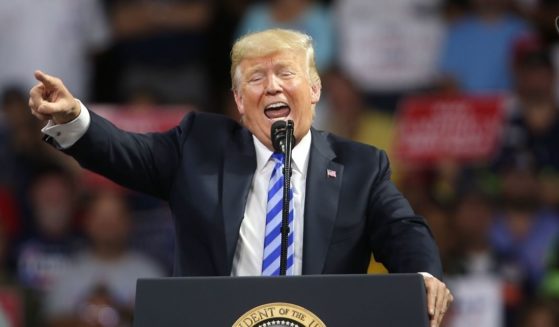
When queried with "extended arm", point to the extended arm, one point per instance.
{"points": [[143, 162]]}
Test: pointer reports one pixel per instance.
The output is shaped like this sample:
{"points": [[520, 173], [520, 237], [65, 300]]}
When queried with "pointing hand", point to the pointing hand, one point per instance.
{"points": [[51, 100]]}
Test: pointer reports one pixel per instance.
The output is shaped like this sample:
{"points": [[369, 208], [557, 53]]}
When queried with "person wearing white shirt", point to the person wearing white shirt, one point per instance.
{"points": [[60, 36]]}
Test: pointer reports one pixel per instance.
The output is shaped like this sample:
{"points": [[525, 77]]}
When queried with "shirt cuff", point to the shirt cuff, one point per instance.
{"points": [[65, 135], [425, 274]]}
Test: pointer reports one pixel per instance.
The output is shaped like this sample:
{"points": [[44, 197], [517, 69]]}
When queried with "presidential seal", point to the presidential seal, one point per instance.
{"points": [[279, 315]]}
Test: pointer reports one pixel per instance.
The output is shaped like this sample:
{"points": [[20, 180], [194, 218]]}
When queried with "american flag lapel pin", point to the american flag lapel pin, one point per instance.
{"points": [[330, 173]]}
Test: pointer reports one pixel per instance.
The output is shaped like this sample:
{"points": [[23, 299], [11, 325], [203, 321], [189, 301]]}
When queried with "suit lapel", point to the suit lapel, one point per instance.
{"points": [[238, 170], [324, 180]]}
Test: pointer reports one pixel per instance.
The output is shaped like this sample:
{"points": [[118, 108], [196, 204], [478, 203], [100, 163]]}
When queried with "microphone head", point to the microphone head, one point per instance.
{"points": [[277, 134]]}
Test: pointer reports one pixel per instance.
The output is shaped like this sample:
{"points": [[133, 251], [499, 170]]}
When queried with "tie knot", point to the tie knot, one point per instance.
{"points": [[278, 157]]}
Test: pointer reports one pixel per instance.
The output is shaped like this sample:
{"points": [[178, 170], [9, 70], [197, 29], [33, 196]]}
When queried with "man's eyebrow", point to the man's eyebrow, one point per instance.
{"points": [[277, 65], [254, 69]]}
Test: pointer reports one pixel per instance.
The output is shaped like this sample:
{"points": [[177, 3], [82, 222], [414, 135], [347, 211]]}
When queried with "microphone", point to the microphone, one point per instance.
{"points": [[557, 23], [282, 137], [278, 134]]}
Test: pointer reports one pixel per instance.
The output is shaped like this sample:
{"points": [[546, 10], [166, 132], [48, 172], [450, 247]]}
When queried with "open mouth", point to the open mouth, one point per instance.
{"points": [[277, 110]]}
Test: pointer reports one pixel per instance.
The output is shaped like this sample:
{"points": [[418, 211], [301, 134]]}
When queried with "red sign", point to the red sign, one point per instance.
{"points": [[462, 128], [148, 119]]}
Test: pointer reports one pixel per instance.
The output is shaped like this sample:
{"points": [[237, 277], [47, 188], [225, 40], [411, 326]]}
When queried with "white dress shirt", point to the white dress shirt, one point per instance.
{"points": [[250, 246]]}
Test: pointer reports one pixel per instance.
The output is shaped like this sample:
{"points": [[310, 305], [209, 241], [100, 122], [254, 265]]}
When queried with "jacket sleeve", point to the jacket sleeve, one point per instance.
{"points": [[143, 162], [401, 240]]}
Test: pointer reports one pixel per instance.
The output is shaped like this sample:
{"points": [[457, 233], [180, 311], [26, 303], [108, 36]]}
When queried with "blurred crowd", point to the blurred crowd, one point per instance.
{"points": [[70, 252]]}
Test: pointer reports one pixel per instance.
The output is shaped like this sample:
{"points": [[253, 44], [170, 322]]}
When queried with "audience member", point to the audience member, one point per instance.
{"points": [[161, 46], [23, 155], [20, 148], [472, 266], [388, 47], [108, 263], [523, 232], [478, 50], [307, 16], [56, 36], [471, 224], [46, 255], [533, 125]]}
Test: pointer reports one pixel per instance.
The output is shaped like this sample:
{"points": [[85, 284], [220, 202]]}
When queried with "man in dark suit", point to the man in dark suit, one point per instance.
{"points": [[215, 173]]}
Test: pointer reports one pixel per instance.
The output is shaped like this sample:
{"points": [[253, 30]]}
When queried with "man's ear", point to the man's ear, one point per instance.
{"points": [[316, 89], [239, 101]]}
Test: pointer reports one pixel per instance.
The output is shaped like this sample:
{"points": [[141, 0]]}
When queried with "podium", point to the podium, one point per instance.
{"points": [[298, 301]]}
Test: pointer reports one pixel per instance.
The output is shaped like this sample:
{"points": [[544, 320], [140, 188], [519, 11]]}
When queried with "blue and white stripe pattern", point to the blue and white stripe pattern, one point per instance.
{"points": [[272, 240]]}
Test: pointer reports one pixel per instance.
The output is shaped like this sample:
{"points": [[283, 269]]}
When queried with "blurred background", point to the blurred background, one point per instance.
{"points": [[462, 94]]}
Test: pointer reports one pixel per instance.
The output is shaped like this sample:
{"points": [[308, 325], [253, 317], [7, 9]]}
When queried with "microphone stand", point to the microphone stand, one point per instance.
{"points": [[286, 187]]}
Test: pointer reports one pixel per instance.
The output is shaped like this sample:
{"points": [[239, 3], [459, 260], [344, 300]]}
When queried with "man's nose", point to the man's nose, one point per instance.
{"points": [[273, 86]]}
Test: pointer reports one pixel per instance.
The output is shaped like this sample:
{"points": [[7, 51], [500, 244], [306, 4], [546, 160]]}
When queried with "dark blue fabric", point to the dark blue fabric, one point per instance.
{"points": [[204, 168]]}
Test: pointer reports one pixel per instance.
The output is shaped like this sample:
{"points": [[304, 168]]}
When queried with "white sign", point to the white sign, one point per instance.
{"points": [[478, 301]]}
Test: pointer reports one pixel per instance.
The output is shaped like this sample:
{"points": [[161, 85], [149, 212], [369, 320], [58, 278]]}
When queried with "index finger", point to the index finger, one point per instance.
{"points": [[47, 80], [36, 94]]}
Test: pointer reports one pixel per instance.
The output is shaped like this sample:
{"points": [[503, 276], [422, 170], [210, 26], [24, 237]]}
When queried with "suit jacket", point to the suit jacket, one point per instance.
{"points": [[204, 168]]}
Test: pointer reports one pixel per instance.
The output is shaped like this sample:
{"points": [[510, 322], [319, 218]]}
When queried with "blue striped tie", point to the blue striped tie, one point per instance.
{"points": [[272, 240]]}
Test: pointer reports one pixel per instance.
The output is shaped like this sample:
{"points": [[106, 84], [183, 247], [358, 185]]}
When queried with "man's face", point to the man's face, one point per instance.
{"points": [[276, 87]]}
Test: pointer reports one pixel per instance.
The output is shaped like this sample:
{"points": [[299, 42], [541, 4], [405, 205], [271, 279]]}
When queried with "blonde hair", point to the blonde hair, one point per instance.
{"points": [[267, 42]]}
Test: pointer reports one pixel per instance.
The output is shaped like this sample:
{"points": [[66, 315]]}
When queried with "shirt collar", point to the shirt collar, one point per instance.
{"points": [[299, 154]]}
